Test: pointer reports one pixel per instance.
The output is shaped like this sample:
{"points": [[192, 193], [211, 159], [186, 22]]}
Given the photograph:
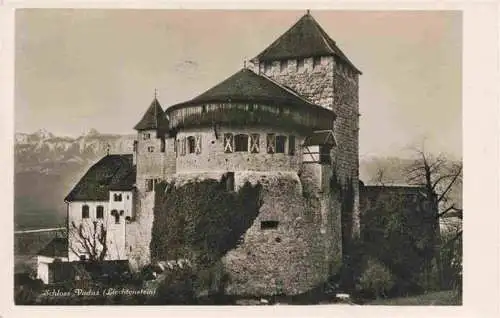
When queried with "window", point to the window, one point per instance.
{"points": [[100, 212], [117, 197], [149, 185], [151, 149], [198, 144], [183, 146], [191, 144], [267, 66], [162, 145], [228, 143], [300, 65], [291, 145], [85, 212], [324, 154], [204, 108], [268, 225], [316, 62], [117, 218], [254, 143], [251, 107], [241, 143], [135, 145], [280, 144], [230, 181], [146, 136], [283, 65], [271, 143]]}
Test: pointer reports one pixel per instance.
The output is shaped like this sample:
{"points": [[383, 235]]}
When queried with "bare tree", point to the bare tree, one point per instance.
{"points": [[437, 176], [88, 238]]}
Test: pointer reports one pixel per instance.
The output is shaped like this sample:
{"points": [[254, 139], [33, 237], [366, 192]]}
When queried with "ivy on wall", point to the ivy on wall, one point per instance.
{"points": [[201, 220]]}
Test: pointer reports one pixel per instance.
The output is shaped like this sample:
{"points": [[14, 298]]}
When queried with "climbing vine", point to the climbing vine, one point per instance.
{"points": [[201, 220]]}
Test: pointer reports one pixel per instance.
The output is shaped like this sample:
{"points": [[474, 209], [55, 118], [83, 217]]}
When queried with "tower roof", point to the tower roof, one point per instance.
{"points": [[306, 38], [154, 118], [112, 172], [247, 86]]}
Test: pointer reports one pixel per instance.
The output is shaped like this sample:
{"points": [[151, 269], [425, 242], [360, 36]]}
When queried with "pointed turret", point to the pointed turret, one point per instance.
{"points": [[153, 119], [306, 38]]}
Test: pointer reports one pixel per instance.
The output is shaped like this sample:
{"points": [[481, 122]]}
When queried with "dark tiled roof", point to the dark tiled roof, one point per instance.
{"points": [[306, 38], [323, 137], [247, 86], [58, 247], [113, 172], [154, 118]]}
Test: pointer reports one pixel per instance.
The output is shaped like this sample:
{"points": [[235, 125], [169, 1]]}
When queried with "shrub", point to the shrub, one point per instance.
{"points": [[376, 279]]}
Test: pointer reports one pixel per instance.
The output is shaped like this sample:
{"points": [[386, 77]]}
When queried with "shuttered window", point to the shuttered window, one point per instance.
{"points": [[254, 143], [228, 143], [271, 143]]}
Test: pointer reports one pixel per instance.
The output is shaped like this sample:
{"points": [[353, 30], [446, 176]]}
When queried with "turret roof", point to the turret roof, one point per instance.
{"points": [[154, 118], [112, 172], [306, 38], [247, 86]]}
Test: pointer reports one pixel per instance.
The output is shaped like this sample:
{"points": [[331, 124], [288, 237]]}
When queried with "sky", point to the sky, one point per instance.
{"points": [[77, 69]]}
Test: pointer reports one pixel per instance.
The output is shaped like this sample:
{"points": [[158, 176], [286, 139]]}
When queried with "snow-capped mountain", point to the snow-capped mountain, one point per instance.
{"points": [[42, 146], [48, 166]]}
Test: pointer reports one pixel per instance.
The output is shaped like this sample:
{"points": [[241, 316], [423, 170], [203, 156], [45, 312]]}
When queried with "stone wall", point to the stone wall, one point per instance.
{"points": [[310, 81], [333, 85], [298, 254], [346, 128], [213, 157], [150, 165]]}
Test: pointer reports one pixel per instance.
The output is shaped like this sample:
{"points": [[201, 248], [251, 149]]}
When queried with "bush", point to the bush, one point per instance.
{"points": [[376, 279]]}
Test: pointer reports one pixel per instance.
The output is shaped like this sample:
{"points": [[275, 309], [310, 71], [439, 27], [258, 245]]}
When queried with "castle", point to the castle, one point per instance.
{"points": [[288, 120]]}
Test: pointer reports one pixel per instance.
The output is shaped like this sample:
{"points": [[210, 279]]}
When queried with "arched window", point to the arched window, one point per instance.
{"points": [[241, 143], [85, 211], [100, 212], [191, 144]]}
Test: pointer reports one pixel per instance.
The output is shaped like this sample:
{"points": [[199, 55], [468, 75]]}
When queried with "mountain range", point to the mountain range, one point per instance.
{"points": [[48, 166]]}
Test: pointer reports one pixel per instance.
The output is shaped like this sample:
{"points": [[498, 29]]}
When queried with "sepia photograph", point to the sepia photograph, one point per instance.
{"points": [[238, 157]]}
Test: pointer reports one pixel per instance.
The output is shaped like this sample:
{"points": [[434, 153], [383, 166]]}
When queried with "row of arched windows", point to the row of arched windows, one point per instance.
{"points": [[99, 212]]}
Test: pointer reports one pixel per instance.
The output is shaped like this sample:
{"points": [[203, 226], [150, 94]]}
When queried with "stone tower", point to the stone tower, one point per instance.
{"points": [[309, 62], [153, 153]]}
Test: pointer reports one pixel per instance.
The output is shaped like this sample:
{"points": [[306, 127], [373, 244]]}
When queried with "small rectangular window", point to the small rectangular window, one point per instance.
{"points": [[146, 136], [117, 197], [135, 145], [268, 225], [283, 66], [100, 212], [291, 145], [85, 212], [228, 143], [163, 144], [151, 149], [300, 65], [230, 181], [324, 154], [191, 144], [316, 62], [254, 143], [280, 144], [149, 185], [271, 143], [267, 66], [241, 143]]}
